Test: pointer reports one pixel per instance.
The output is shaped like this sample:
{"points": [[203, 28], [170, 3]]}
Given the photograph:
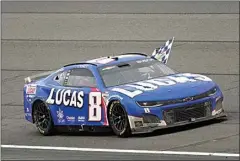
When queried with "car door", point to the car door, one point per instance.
{"points": [[78, 100]]}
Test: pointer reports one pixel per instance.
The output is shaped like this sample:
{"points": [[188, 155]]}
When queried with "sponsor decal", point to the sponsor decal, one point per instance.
{"points": [[147, 110], [27, 109], [28, 114], [81, 118], [108, 68], [30, 96], [153, 84], [60, 116], [144, 60], [31, 89], [187, 99], [70, 118], [29, 100], [66, 97]]}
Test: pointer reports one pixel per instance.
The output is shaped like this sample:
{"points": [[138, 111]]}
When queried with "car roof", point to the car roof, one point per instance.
{"points": [[112, 60]]}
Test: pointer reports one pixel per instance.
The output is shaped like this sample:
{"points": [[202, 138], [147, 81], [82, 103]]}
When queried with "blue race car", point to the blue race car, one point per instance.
{"points": [[130, 93]]}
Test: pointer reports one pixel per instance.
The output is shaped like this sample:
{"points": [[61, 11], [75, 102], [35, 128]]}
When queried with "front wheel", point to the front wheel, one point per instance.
{"points": [[43, 119], [118, 120]]}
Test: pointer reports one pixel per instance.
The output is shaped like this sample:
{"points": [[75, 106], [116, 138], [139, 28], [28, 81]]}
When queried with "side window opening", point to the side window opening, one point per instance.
{"points": [[80, 77], [60, 77]]}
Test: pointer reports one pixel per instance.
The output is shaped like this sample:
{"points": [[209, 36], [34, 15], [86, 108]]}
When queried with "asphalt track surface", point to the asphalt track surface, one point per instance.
{"points": [[39, 37]]}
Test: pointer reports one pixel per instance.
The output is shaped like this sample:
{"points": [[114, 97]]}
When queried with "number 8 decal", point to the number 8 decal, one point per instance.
{"points": [[95, 109]]}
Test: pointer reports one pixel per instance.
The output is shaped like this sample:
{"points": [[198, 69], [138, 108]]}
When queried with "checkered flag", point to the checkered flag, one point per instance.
{"points": [[162, 53]]}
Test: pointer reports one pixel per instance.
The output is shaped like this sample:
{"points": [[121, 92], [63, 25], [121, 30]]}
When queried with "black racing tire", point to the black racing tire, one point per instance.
{"points": [[43, 119], [118, 119]]}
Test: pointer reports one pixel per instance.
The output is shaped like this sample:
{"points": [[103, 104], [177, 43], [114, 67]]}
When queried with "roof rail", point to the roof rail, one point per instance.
{"points": [[79, 64], [134, 54]]}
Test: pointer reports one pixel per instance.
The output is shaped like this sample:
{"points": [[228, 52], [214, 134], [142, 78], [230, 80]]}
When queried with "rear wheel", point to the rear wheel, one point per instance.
{"points": [[118, 120], [43, 119]]}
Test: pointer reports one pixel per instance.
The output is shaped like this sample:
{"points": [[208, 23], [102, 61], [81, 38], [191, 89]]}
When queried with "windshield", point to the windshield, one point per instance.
{"points": [[133, 71]]}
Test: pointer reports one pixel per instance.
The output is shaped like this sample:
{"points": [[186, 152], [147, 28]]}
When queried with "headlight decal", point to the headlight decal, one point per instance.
{"points": [[149, 103], [212, 91]]}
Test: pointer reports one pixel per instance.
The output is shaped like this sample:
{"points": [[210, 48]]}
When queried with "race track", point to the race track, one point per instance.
{"points": [[41, 36]]}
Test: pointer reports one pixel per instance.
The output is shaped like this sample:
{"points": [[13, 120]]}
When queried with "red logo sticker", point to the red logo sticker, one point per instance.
{"points": [[31, 89]]}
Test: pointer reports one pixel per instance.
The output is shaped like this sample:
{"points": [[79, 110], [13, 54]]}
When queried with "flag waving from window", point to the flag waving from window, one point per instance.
{"points": [[162, 53]]}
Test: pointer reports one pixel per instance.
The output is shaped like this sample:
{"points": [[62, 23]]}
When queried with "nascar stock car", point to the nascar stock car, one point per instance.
{"points": [[128, 94]]}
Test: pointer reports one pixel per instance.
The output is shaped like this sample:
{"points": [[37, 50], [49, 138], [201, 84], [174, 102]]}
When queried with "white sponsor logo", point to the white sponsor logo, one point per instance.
{"points": [[108, 68], [66, 97], [60, 116], [144, 60], [70, 118], [81, 118], [156, 83], [147, 110], [30, 96]]}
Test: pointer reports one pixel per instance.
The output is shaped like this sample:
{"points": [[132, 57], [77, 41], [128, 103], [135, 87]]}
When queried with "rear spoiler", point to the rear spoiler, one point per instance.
{"points": [[36, 77]]}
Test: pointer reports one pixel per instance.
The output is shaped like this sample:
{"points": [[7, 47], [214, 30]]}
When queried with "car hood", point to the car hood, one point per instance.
{"points": [[178, 86]]}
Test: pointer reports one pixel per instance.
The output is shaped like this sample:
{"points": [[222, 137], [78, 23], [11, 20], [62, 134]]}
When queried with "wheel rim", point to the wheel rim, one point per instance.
{"points": [[118, 118], [42, 116]]}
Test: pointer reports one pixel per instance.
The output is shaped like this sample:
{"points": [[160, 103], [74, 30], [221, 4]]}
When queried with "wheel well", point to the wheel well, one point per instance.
{"points": [[126, 131], [33, 108], [109, 104]]}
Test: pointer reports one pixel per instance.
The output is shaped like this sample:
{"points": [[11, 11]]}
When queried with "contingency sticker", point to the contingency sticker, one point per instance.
{"points": [[31, 89]]}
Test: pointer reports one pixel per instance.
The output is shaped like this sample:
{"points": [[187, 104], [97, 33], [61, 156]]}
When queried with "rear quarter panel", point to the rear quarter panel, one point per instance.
{"points": [[31, 93]]}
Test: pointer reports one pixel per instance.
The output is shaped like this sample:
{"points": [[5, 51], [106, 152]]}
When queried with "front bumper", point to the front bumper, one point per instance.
{"points": [[150, 127]]}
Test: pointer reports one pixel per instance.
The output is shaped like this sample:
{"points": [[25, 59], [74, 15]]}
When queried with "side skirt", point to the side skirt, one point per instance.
{"points": [[83, 128]]}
